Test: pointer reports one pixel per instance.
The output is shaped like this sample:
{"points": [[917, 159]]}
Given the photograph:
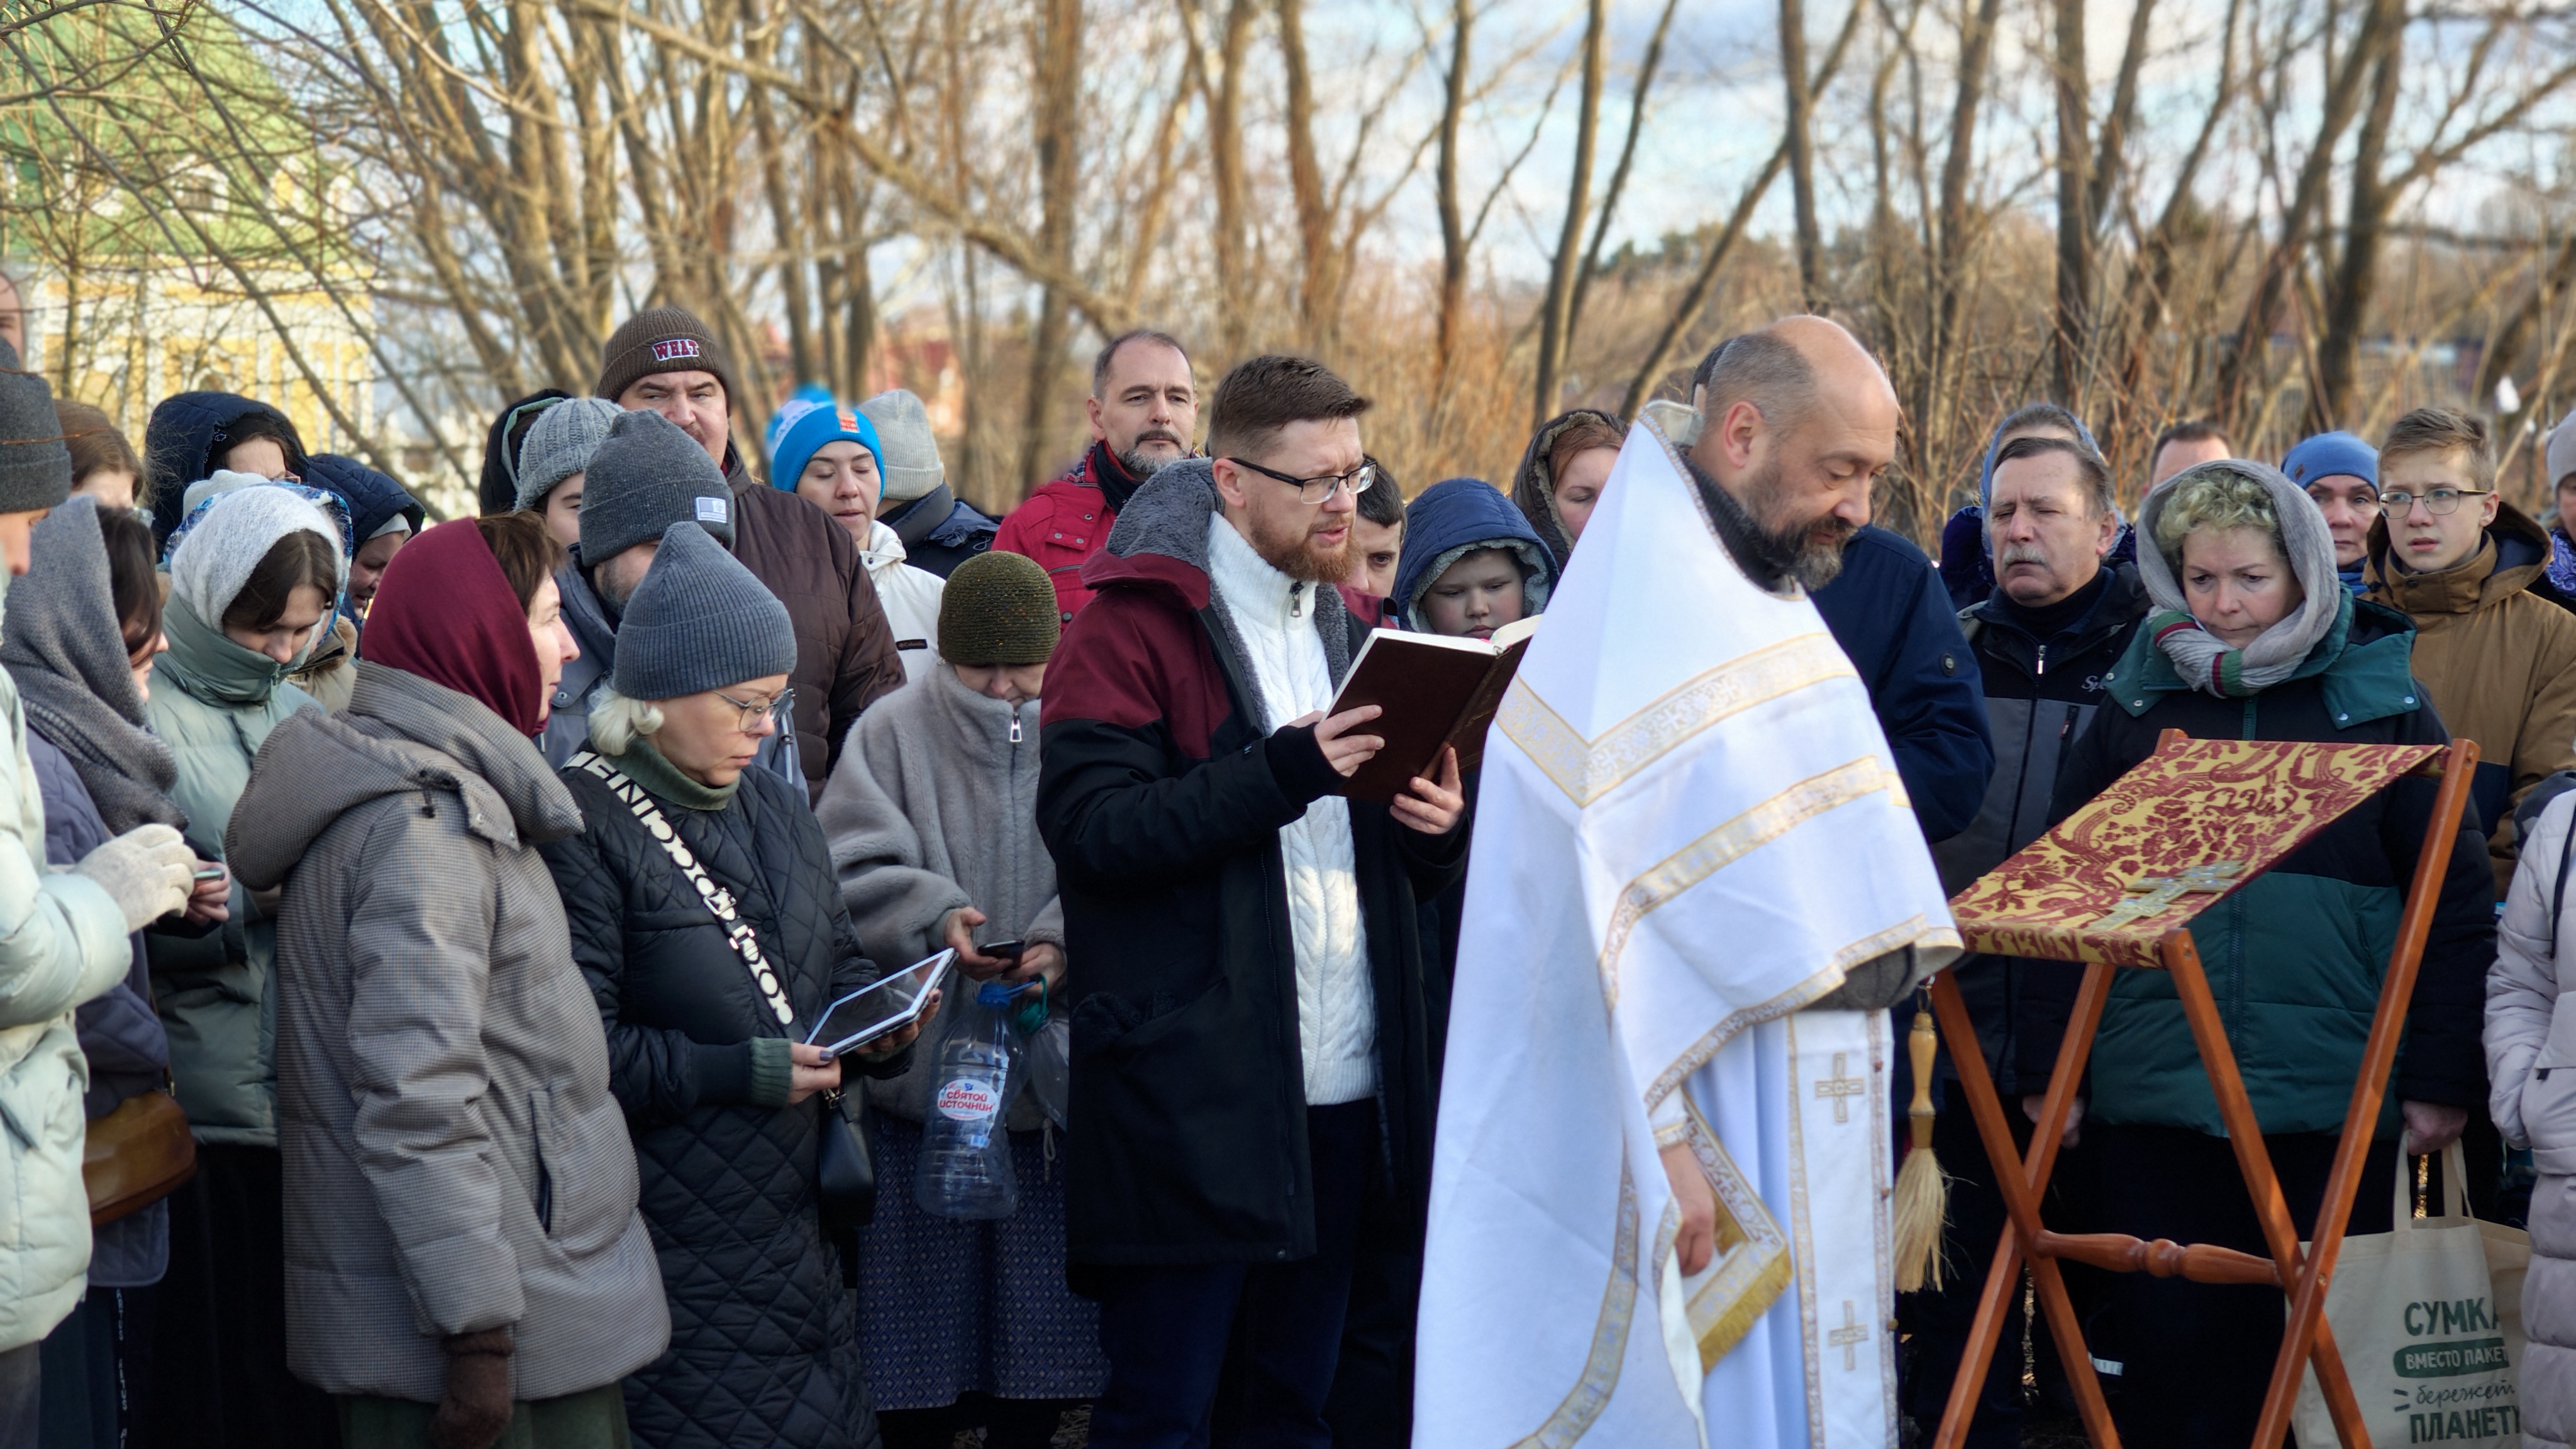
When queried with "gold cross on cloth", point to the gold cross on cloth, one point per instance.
{"points": [[2152, 895], [1840, 1088], [1850, 1336]]}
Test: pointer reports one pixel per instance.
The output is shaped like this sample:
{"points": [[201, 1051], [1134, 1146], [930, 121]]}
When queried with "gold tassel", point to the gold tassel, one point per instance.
{"points": [[1922, 1188]]}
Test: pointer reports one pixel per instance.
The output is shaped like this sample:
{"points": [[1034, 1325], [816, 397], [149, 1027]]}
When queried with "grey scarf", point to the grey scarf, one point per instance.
{"points": [[65, 647], [2204, 661]]}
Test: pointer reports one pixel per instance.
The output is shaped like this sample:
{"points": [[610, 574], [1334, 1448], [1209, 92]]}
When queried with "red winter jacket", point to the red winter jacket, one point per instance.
{"points": [[1067, 521]]}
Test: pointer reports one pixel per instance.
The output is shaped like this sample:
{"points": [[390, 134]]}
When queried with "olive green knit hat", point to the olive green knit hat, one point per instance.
{"points": [[998, 608]]}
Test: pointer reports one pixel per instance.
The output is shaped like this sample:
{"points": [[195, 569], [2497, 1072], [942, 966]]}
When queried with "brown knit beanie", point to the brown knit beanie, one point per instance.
{"points": [[662, 339], [998, 608]]}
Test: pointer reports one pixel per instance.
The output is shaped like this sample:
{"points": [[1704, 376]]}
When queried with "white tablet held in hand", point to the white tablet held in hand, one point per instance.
{"points": [[886, 1005]]}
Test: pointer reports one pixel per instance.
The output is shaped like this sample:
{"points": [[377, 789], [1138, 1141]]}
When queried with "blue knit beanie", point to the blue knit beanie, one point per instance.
{"points": [[812, 425], [2332, 455], [699, 621]]}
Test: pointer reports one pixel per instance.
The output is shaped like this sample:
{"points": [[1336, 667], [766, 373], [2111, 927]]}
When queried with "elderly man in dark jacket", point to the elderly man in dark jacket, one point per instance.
{"points": [[666, 361], [2058, 620], [1250, 1041]]}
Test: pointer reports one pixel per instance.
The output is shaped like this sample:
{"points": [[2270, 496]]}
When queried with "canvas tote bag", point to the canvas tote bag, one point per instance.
{"points": [[2429, 1318]]}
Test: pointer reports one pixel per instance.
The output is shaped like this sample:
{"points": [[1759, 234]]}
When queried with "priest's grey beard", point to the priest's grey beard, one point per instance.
{"points": [[1811, 553]]}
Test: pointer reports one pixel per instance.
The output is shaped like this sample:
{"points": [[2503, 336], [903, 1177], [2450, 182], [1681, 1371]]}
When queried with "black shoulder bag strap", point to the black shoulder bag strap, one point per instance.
{"points": [[845, 1175]]}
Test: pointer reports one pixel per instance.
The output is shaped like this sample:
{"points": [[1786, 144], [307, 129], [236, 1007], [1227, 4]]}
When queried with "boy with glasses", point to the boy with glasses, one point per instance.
{"points": [[2499, 660]]}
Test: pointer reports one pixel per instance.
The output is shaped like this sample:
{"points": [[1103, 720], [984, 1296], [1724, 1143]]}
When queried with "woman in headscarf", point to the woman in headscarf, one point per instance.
{"points": [[464, 1253], [77, 625], [704, 911], [2253, 637], [1562, 473], [252, 577]]}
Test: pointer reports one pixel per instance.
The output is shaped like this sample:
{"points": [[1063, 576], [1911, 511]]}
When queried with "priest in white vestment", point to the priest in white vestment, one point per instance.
{"points": [[1659, 1205]]}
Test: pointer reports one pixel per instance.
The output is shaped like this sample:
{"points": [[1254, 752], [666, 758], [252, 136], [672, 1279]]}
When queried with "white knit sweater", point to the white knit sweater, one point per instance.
{"points": [[1336, 1013]]}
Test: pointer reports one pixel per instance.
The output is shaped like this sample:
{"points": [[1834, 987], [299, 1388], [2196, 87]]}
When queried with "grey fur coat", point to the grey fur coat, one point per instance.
{"points": [[933, 806]]}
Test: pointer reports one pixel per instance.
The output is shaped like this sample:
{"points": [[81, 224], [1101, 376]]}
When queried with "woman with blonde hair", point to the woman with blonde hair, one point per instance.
{"points": [[2253, 637]]}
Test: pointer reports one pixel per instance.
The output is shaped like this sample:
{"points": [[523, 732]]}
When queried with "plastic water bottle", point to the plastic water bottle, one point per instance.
{"points": [[965, 1151]]}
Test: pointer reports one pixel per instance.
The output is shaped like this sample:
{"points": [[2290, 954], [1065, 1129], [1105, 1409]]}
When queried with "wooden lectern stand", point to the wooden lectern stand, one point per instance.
{"points": [[2114, 887]]}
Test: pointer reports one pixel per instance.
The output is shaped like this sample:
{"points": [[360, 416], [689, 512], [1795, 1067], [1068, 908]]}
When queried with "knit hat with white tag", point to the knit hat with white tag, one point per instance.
{"points": [[644, 477]]}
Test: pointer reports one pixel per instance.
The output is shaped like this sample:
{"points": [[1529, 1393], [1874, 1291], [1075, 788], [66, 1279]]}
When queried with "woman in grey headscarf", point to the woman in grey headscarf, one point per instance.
{"points": [[81, 630], [2253, 637]]}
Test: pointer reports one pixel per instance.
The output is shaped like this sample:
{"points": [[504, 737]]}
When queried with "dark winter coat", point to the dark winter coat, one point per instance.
{"points": [[180, 441], [764, 1336], [1161, 800], [845, 655], [1456, 517], [1067, 520], [939, 531], [2295, 958], [2041, 696], [1891, 615]]}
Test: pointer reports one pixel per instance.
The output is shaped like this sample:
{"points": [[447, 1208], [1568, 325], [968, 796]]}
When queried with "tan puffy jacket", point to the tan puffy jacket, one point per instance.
{"points": [[2499, 660]]}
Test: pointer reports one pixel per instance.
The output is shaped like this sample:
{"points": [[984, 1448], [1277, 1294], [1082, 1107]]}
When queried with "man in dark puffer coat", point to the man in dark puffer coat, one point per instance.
{"points": [[764, 1345]]}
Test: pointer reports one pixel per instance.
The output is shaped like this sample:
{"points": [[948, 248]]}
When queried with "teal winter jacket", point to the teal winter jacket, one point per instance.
{"points": [[2296, 957], [215, 702]]}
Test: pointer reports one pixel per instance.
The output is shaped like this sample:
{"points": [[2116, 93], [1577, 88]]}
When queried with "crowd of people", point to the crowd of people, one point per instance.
{"points": [[425, 932]]}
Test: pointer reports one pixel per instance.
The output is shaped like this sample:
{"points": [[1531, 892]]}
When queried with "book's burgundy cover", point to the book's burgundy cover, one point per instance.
{"points": [[1432, 695]]}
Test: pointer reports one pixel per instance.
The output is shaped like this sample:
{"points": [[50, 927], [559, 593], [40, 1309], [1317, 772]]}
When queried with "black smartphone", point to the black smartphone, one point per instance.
{"points": [[1006, 950], [215, 874]]}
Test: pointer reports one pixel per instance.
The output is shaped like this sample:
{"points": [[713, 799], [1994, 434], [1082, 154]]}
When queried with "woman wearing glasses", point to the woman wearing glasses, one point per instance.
{"points": [[703, 909]]}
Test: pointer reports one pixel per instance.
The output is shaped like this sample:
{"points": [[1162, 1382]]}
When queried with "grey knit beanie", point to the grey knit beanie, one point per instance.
{"points": [[35, 466], [645, 476], [2562, 450], [699, 621], [559, 445], [910, 461]]}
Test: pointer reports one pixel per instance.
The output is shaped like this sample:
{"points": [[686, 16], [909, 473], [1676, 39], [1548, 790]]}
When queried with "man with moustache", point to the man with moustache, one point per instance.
{"points": [[1144, 409], [2058, 620], [1250, 1054]]}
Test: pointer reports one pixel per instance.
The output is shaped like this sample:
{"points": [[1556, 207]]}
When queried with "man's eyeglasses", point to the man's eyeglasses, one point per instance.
{"points": [[2440, 502], [778, 707], [1312, 491]]}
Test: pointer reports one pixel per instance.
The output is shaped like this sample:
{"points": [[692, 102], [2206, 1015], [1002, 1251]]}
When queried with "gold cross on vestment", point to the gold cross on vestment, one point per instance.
{"points": [[1850, 1336], [2152, 895], [1839, 1089]]}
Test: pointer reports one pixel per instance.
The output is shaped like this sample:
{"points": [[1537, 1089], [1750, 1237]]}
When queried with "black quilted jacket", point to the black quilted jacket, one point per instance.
{"points": [[764, 1345]]}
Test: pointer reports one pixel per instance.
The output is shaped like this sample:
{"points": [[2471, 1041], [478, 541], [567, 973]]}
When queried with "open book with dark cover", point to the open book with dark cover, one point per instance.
{"points": [[1434, 690]]}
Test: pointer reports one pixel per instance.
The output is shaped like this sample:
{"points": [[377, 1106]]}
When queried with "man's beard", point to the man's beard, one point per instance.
{"points": [[1293, 552], [1141, 465], [1811, 551]]}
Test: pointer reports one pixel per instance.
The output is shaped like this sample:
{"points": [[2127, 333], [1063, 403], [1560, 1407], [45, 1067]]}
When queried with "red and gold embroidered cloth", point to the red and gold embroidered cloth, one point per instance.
{"points": [[2187, 813]]}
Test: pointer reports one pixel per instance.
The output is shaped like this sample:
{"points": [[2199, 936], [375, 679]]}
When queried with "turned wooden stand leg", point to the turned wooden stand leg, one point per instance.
{"points": [[2022, 1183]]}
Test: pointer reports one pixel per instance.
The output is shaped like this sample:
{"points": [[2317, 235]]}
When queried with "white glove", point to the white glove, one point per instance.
{"points": [[147, 869]]}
